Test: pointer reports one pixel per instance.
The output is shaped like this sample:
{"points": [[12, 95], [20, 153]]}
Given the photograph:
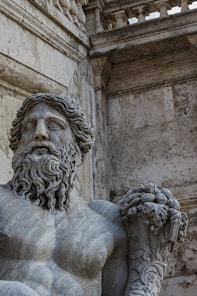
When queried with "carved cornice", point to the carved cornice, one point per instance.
{"points": [[53, 28]]}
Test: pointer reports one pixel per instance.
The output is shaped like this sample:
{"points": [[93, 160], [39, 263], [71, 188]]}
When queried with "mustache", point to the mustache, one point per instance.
{"points": [[52, 148], [23, 152]]}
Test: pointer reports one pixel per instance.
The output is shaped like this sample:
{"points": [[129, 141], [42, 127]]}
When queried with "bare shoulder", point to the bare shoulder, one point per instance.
{"points": [[106, 209], [3, 187], [4, 190]]}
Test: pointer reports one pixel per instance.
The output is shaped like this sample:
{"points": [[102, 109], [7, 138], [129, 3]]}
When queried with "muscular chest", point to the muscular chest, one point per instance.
{"points": [[79, 242], [25, 232], [86, 244]]}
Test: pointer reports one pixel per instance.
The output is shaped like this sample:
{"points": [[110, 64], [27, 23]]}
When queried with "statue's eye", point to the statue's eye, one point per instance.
{"points": [[54, 126], [29, 126]]}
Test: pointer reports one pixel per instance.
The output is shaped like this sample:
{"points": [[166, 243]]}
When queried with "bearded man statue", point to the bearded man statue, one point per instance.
{"points": [[44, 171], [52, 242]]}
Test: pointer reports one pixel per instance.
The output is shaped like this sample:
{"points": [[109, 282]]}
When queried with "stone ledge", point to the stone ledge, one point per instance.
{"points": [[29, 80]]}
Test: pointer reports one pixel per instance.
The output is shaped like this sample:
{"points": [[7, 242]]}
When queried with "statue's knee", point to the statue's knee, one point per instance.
{"points": [[11, 288]]}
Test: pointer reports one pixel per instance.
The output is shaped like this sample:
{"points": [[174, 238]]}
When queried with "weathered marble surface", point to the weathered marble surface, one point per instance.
{"points": [[53, 242]]}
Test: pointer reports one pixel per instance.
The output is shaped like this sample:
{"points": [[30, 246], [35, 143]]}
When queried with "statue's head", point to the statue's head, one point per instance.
{"points": [[50, 137], [67, 107]]}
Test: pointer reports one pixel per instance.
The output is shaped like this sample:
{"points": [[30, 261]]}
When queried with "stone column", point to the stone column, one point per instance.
{"points": [[184, 5], [101, 71], [140, 12], [120, 18], [163, 6]]}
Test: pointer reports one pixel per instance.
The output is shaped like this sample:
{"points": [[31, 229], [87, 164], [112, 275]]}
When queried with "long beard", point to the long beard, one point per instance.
{"points": [[46, 179]]}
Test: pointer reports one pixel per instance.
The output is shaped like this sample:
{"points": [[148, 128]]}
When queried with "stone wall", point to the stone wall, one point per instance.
{"points": [[150, 90], [153, 139], [41, 54]]}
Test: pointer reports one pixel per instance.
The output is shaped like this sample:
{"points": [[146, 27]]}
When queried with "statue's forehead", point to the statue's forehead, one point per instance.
{"points": [[43, 109]]}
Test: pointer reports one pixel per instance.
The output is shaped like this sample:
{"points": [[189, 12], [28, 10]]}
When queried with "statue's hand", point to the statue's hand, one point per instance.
{"points": [[154, 224], [155, 207]]}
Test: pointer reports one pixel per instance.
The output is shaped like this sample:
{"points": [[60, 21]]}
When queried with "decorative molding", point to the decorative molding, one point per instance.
{"points": [[54, 29]]}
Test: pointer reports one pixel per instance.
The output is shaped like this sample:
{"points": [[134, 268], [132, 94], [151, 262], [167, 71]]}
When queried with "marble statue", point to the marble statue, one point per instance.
{"points": [[54, 243]]}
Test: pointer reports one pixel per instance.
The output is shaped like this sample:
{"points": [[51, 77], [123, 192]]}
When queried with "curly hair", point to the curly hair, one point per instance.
{"points": [[68, 107]]}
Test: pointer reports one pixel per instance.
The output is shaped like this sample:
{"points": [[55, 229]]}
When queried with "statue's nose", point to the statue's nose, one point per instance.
{"points": [[41, 133]]}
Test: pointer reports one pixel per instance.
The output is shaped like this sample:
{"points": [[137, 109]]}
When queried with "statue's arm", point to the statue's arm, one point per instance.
{"points": [[115, 270], [154, 224], [115, 273]]}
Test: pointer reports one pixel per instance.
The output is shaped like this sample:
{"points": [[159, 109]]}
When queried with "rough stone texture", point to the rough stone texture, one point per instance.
{"points": [[155, 145], [10, 100], [185, 285]]}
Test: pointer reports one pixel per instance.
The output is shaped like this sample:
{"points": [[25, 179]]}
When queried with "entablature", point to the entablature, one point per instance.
{"points": [[158, 35], [112, 14]]}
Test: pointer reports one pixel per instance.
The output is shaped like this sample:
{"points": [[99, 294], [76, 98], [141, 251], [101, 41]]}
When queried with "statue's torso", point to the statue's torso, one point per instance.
{"points": [[60, 254]]}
